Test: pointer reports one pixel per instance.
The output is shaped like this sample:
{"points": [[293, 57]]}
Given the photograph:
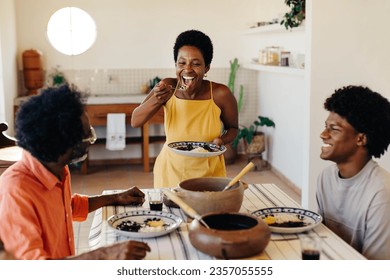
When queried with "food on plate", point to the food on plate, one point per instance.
{"points": [[269, 219], [195, 148], [129, 226], [285, 220], [155, 222], [199, 150], [149, 225]]}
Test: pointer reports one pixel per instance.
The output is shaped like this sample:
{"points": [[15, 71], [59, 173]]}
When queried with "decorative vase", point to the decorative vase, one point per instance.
{"points": [[32, 71]]}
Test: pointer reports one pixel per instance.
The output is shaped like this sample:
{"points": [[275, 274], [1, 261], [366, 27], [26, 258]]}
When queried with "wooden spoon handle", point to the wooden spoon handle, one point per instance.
{"points": [[245, 170], [184, 206]]}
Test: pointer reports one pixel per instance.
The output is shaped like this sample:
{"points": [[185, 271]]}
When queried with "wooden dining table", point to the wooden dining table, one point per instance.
{"points": [[177, 246]]}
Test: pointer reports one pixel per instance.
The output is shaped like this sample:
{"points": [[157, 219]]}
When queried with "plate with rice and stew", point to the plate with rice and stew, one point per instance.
{"points": [[196, 149], [289, 219]]}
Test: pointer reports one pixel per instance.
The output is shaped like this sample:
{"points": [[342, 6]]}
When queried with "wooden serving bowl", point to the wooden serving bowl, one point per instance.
{"points": [[205, 195], [231, 235]]}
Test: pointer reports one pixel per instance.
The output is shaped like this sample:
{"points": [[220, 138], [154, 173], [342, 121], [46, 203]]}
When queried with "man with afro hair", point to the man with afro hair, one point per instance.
{"points": [[353, 195], [37, 206]]}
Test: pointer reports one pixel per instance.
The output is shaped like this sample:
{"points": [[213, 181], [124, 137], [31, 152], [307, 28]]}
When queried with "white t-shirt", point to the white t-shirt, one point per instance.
{"points": [[358, 209]]}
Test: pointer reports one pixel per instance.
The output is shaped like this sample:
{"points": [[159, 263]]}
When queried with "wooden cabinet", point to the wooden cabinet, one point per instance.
{"points": [[97, 112], [98, 117]]}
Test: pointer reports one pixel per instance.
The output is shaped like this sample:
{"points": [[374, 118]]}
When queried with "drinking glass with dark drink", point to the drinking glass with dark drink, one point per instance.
{"points": [[155, 198], [310, 247]]}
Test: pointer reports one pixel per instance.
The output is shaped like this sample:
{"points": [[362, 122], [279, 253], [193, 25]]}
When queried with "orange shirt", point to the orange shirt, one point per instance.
{"points": [[36, 211]]}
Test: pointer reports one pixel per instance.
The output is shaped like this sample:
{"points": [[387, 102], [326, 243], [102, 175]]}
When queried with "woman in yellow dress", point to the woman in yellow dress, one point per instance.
{"points": [[194, 109]]}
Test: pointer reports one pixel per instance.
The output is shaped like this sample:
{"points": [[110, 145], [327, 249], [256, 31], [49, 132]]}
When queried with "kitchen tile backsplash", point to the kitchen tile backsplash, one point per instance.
{"points": [[130, 81]]}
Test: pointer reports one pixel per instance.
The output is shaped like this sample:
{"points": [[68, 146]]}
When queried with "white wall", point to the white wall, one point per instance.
{"points": [[131, 33], [349, 45], [282, 98], [140, 34], [8, 65]]}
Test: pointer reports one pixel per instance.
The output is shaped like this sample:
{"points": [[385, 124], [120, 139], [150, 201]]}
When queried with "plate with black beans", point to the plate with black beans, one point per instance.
{"points": [[196, 149], [144, 223]]}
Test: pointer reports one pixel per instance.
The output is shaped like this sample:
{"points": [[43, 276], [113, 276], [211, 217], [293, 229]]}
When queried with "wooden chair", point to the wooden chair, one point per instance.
{"points": [[9, 152]]}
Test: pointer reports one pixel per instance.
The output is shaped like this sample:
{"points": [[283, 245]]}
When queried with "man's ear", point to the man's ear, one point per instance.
{"points": [[361, 139]]}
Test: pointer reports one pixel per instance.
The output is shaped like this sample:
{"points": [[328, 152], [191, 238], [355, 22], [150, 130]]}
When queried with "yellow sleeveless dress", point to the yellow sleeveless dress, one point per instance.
{"points": [[188, 120]]}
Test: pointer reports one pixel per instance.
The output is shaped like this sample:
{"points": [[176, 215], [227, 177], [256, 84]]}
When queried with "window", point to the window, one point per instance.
{"points": [[71, 31]]}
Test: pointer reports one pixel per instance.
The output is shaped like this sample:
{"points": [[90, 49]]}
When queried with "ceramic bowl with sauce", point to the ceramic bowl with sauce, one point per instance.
{"points": [[231, 235]]}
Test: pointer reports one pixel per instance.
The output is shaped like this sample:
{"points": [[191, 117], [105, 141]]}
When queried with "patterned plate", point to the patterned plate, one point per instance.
{"points": [[171, 222], [308, 219], [195, 149]]}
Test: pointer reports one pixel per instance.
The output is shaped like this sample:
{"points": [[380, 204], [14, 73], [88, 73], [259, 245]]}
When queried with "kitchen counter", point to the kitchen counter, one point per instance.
{"points": [[97, 99], [115, 99]]}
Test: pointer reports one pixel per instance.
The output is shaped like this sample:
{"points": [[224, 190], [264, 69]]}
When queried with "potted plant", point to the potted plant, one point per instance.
{"points": [[56, 78], [251, 134], [296, 15]]}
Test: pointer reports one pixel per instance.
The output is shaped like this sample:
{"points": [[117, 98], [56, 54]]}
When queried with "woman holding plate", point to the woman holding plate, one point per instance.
{"points": [[195, 109]]}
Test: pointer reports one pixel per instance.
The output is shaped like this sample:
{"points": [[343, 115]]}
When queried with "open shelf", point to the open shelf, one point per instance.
{"points": [[273, 28], [274, 69]]}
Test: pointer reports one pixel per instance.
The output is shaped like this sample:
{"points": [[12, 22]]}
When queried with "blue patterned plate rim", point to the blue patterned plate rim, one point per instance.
{"points": [[217, 150], [140, 216], [312, 219]]}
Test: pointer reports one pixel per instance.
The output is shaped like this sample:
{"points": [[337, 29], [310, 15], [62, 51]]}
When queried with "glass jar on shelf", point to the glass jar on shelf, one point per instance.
{"points": [[273, 55], [285, 58], [262, 57]]}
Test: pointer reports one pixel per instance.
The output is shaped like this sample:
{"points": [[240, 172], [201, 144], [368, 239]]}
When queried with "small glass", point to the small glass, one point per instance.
{"points": [[310, 247], [155, 198]]}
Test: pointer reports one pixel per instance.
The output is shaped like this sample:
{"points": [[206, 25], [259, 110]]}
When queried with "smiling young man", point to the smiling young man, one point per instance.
{"points": [[353, 195]]}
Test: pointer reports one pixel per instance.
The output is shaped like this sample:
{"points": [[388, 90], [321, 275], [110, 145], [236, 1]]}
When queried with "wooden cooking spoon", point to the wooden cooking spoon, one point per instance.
{"points": [[245, 170], [184, 206]]}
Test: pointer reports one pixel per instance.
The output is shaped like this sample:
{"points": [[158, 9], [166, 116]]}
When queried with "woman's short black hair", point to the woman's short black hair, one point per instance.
{"points": [[48, 124], [367, 111], [196, 39]]}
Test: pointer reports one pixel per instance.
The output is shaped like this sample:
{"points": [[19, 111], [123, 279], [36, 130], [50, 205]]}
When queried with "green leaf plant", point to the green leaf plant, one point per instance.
{"points": [[296, 15], [247, 133]]}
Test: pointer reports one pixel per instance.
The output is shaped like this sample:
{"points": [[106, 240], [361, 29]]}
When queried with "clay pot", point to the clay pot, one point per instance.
{"points": [[231, 235], [205, 195], [32, 71]]}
